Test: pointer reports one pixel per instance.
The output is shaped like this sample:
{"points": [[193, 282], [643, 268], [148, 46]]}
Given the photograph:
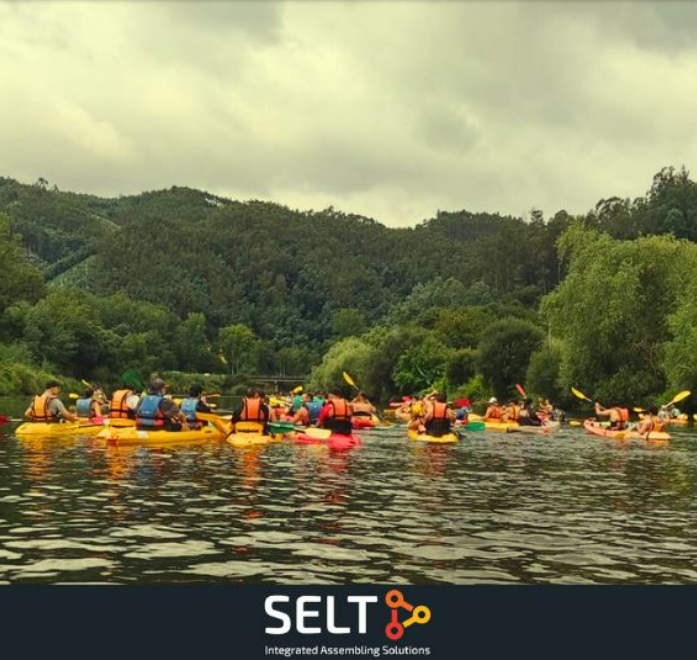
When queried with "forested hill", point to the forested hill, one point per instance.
{"points": [[182, 279]]}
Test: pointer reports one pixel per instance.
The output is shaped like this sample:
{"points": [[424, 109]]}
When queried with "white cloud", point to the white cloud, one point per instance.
{"points": [[392, 109]]}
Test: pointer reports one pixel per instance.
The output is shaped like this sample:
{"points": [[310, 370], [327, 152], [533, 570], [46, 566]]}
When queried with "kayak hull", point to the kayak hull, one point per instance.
{"points": [[133, 436], [594, 429], [336, 441], [365, 422], [448, 438], [250, 434], [35, 429], [545, 429]]}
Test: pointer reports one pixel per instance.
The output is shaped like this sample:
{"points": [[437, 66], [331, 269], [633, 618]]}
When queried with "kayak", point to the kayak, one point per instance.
{"points": [[424, 437], [134, 436], [494, 426], [363, 422], [594, 429], [249, 434], [676, 422], [546, 429], [336, 441], [33, 429]]}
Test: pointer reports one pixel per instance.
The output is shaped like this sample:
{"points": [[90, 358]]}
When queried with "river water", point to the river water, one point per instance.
{"points": [[494, 508]]}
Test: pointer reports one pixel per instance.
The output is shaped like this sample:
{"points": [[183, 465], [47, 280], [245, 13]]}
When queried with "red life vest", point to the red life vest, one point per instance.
{"points": [[252, 411]]}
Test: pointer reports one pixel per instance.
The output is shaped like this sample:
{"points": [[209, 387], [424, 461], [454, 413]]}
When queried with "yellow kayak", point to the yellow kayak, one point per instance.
{"points": [[134, 436], [424, 437], [34, 429], [248, 434], [495, 426]]}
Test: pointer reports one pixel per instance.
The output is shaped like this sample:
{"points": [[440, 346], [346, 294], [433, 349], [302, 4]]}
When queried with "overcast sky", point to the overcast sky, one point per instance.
{"points": [[389, 109]]}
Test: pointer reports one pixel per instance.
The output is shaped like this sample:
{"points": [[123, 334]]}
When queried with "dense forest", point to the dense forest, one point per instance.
{"points": [[183, 281]]}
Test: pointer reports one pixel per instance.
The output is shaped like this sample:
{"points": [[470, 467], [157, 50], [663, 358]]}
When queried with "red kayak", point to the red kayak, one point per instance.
{"points": [[363, 423], [336, 441], [4, 419]]}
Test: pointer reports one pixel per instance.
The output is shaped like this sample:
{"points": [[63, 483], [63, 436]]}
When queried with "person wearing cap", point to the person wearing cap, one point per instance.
{"points": [[494, 412], [48, 408], [156, 411]]}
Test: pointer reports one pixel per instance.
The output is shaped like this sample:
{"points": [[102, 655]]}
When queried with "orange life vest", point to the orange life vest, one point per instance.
{"points": [[513, 413], [118, 406], [252, 411], [439, 411], [40, 410], [657, 425], [496, 413], [362, 409], [339, 410]]}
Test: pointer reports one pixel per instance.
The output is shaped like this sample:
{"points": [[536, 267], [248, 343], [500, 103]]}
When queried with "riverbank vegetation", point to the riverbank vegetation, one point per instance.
{"points": [[184, 282]]}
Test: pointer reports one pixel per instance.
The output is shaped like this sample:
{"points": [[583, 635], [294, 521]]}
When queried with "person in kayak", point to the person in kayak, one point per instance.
{"points": [[618, 416], [309, 411], [124, 403], [253, 408], [88, 406], [336, 414], [651, 423], [195, 403], [528, 415], [494, 412], [48, 408], [157, 411], [512, 411], [438, 416], [362, 406]]}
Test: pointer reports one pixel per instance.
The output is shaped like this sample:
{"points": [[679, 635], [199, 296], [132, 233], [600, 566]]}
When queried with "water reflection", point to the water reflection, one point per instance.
{"points": [[494, 508]]}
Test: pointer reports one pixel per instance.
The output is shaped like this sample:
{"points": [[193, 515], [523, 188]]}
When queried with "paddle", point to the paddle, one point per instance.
{"points": [[679, 397], [521, 391], [221, 424], [297, 390], [580, 395], [349, 380]]}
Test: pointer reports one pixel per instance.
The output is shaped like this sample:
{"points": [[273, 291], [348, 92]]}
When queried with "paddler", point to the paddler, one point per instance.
{"points": [[48, 408], [618, 416], [512, 411], [309, 411], [157, 411], [253, 408], [124, 403], [195, 403], [651, 422], [528, 415], [362, 406], [438, 416], [336, 414], [89, 405], [494, 412]]}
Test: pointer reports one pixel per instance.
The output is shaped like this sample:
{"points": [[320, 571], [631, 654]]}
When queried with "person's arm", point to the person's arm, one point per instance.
{"points": [[602, 412], [60, 411], [323, 415]]}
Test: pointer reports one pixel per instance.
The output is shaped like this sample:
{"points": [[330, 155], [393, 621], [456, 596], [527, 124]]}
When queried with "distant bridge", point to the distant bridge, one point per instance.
{"points": [[278, 379]]}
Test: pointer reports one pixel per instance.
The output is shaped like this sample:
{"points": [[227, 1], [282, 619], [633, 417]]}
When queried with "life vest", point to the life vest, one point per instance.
{"points": [[118, 406], [496, 413], [440, 411], [513, 413], [314, 408], [252, 411], [339, 410], [149, 413], [85, 408], [657, 425], [188, 407], [40, 410]]}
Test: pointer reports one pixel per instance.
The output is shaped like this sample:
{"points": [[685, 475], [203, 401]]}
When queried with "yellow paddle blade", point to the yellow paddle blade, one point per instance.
{"points": [[349, 380], [679, 397], [72, 395], [222, 359], [221, 424], [275, 401], [579, 394], [319, 434], [636, 409], [85, 383], [574, 422], [297, 390]]}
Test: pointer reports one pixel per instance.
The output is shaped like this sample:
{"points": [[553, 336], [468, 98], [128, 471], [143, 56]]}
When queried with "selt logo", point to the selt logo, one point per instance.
{"points": [[395, 601]]}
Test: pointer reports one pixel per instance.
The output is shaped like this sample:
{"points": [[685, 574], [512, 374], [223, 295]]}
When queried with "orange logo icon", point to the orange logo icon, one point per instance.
{"points": [[395, 600]]}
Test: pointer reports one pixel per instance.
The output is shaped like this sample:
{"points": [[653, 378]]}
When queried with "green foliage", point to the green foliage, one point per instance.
{"points": [[237, 345], [460, 366], [543, 375], [421, 365], [352, 355], [348, 322], [504, 353]]}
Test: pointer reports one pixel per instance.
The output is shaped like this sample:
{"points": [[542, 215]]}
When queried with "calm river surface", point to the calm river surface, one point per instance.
{"points": [[495, 508]]}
